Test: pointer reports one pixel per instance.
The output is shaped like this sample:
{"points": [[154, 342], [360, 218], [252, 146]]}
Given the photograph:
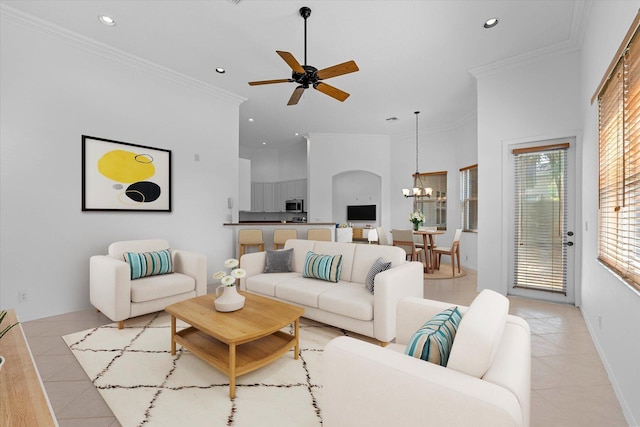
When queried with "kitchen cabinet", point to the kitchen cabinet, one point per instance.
{"points": [[268, 203], [271, 196], [257, 196]]}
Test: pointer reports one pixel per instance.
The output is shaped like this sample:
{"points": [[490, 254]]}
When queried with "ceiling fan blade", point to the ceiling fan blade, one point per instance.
{"points": [[333, 92], [295, 96], [338, 70], [291, 61], [268, 82]]}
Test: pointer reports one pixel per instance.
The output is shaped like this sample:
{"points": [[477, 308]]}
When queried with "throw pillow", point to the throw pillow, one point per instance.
{"points": [[378, 267], [149, 263], [278, 261], [323, 267], [433, 341]]}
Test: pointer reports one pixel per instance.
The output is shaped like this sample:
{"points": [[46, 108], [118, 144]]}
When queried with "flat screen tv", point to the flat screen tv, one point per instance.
{"points": [[361, 213]]}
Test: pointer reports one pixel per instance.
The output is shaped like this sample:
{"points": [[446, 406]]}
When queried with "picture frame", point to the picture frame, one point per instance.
{"points": [[120, 176]]}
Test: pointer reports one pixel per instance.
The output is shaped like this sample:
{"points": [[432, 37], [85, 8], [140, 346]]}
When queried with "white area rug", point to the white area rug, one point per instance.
{"points": [[144, 385]]}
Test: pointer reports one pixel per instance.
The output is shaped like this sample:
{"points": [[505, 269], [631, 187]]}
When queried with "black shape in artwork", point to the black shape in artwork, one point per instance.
{"points": [[143, 191]]}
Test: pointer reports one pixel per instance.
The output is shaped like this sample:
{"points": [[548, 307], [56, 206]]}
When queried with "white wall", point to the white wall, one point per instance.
{"points": [[273, 165], [535, 100], [55, 87], [604, 296], [447, 149], [356, 188], [332, 154]]}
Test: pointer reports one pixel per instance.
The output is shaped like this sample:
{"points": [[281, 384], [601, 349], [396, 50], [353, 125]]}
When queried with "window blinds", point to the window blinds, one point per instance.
{"points": [[619, 171], [540, 259], [469, 198]]}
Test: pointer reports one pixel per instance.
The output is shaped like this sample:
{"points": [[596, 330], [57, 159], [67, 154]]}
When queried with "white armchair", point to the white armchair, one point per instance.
{"points": [[486, 382], [114, 293]]}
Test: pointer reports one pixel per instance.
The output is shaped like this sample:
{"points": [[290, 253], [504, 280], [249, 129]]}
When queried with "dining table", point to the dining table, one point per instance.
{"points": [[427, 238]]}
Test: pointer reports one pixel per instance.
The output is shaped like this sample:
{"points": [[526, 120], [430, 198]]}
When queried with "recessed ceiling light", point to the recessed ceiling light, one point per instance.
{"points": [[490, 23], [107, 20], [264, 143], [296, 134], [220, 70], [250, 119]]}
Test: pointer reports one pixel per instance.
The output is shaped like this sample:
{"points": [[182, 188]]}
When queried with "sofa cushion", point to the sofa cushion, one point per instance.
{"points": [[433, 341], [142, 264], [365, 255], [378, 266], [166, 285], [265, 284], [479, 334], [323, 267], [303, 291], [347, 250], [278, 261], [300, 248], [348, 299]]}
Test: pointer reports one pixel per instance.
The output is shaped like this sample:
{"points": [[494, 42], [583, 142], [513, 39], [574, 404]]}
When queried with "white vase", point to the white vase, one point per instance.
{"points": [[230, 300]]}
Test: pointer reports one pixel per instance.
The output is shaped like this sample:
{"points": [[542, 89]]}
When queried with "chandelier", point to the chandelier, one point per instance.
{"points": [[417, 191]]}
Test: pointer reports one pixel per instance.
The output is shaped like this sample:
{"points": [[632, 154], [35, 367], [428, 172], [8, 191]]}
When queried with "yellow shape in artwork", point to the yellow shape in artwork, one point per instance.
{"points": [[126, 166]]}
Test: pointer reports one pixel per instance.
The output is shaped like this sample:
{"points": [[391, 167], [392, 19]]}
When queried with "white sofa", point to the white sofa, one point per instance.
{"points": [[346, 304], [486, 382], [112, 291]]}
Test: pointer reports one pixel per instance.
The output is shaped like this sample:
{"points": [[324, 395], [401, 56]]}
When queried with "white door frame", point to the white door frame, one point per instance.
{"points": [[574, 253]]}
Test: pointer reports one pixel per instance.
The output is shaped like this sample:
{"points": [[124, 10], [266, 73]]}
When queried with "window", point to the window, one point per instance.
{"points": [[433, 206], [619, 156], [469, 198]]}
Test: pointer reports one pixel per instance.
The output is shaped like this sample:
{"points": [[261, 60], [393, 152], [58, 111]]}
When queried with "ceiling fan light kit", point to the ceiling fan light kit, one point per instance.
{"points": [[307, 76]]}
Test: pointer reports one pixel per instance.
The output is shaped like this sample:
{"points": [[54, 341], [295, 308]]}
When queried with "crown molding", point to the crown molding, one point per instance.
{"points": [[581, 10], [108, 52]]}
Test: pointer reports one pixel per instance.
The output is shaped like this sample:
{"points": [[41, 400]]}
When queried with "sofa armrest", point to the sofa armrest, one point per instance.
{"points": [[110, 286], [404, 280], [367, 385], [253, 264], [192, 264]]}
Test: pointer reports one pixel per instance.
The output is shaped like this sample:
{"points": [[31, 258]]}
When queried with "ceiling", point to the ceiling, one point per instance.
{"points": [[412, 55]]}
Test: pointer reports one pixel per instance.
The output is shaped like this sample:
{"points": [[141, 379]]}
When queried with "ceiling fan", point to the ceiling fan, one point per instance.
{"points": [[307, 75]]}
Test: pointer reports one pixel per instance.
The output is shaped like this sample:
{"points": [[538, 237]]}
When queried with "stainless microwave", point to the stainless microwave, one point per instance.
{"points": [[295, 205]]}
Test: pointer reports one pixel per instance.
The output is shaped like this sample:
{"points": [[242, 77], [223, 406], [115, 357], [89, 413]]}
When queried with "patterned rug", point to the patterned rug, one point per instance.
{"points": [[143, 384]]}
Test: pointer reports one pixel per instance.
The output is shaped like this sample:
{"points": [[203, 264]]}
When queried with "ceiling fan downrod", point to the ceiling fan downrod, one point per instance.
{"points": [[305, 12]]}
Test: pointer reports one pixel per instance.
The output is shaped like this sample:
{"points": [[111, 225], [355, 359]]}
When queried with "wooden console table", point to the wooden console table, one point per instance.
{"points": [[23, 401]]}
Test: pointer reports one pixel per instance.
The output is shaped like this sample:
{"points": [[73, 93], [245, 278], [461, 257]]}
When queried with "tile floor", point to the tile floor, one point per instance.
{"points": [[569, 384]]}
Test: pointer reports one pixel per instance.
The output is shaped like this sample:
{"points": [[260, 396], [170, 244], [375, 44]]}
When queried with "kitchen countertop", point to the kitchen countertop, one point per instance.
{"points": [[244, 223]]}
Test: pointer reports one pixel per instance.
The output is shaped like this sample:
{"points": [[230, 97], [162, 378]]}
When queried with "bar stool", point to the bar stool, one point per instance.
{"points": [[248, 238], [323, 234], [280, 236]]}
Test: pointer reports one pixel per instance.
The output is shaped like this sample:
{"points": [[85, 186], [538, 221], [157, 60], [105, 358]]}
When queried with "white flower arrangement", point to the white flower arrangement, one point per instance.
{"points": [[416, 217], [235, 273]]}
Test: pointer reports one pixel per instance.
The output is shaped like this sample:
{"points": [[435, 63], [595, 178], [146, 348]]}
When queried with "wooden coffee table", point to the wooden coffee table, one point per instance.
{"points": [[236, 342]]}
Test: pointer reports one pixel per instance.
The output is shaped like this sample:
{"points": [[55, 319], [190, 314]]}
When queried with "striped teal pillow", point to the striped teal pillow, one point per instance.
{"points": [[323, 267], [149, 263], [433, 341]]}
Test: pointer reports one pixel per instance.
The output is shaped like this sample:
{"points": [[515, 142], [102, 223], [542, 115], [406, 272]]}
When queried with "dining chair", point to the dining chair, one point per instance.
{"points": [[404, 240], [323, 234], [453, 252], [280, 236], [382, 236], [249, 238]]}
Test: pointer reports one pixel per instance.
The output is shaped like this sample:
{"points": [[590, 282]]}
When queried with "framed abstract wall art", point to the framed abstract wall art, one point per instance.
{"points": [[118, 176]]}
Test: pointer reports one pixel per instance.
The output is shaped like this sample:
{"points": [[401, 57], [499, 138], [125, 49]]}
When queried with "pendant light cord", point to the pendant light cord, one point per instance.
{"points": [[417, 171]]}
